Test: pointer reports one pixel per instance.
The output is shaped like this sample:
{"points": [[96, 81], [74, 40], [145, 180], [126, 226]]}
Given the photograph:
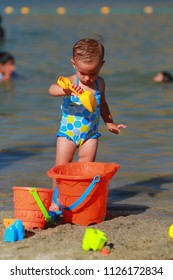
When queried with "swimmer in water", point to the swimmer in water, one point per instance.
{"points": [[7, 66]]}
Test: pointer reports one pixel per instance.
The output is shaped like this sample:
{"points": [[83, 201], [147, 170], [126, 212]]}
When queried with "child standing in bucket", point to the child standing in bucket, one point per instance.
{"points": [[79, 127]]}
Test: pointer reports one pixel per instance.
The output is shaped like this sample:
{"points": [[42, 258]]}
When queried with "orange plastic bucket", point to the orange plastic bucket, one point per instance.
{"points": [[73, 180], [26, 208]]}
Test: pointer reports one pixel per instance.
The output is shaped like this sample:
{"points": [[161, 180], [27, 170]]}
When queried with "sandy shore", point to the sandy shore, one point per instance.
{"points": [[139, 234]]}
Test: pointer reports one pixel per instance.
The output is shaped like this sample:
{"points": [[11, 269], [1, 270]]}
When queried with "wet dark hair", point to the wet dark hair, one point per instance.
{"points": [[88, 50], [5, 57], [2, 32], [167, 77]]}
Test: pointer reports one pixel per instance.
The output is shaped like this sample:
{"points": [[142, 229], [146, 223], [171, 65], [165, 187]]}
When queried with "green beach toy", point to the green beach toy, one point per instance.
{"points": [[33, 191], [93, 239]]}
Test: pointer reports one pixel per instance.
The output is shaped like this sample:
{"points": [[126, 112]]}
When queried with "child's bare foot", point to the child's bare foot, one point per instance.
{"points": [[54, 207]]}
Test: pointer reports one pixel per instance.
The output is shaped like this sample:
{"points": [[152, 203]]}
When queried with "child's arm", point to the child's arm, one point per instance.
{"points": [[106, 115], [56, 90]]}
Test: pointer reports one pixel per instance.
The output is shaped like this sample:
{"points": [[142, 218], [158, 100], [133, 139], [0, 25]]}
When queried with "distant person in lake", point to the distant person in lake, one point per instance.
{"points": [[2, 31], [7, 66], [163, 77]]}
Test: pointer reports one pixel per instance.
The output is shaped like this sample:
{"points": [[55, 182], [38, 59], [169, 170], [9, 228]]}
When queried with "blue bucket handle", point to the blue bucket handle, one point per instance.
{"points": [[95, 180]]}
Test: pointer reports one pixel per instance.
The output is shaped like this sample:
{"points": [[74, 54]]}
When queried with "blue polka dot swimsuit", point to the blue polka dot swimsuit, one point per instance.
{"points": [[77, 123]]}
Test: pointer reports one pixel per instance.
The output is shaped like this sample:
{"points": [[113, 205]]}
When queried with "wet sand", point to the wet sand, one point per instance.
{"points": [[138, 233]]}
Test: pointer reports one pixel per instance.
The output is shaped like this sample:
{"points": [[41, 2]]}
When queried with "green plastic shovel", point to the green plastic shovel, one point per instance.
{"points": [[33, 191]]}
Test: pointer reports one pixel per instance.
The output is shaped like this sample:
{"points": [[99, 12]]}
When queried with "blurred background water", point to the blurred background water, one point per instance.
{"points": [[138, 45]]}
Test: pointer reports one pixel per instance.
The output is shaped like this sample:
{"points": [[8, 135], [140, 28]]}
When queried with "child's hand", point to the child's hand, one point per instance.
{"points": [[115, 128], [76, 88]]}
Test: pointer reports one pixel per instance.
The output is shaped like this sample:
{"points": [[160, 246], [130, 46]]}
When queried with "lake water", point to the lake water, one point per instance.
{"points": [[137, 46]]}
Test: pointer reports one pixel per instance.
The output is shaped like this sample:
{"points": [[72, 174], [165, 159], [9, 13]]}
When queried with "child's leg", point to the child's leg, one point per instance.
{"points": [[87, 152], [65, 150]]}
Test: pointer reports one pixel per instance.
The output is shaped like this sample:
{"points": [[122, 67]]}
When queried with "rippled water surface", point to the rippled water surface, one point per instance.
{"points": [[137, 46]]}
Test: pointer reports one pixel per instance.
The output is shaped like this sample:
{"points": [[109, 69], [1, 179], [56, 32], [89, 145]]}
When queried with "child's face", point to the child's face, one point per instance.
{"points": [[9, 67], [158, 78], [87, 72]]}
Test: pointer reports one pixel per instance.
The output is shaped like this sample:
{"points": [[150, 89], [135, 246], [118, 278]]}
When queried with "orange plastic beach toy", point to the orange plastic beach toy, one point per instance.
{"points": [[8, 222], [87, 98], [83, 190]]}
